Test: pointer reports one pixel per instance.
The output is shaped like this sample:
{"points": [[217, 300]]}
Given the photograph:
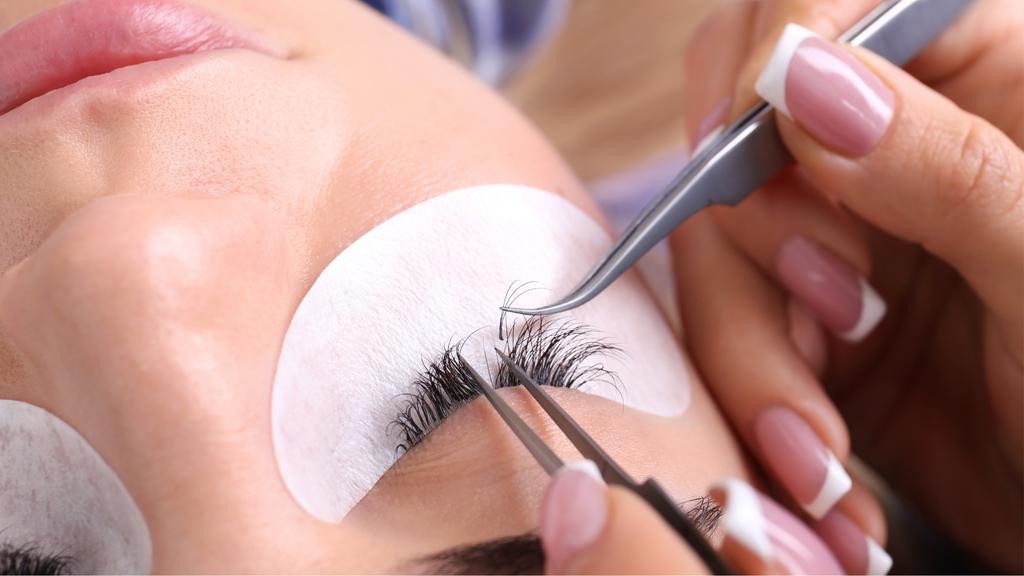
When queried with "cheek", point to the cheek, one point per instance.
{"points": [[333, 153], [691, 452]]}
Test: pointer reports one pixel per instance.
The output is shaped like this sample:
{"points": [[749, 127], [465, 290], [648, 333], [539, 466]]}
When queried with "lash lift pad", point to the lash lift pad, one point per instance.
{"points": [[59, 496], [420, 281]]}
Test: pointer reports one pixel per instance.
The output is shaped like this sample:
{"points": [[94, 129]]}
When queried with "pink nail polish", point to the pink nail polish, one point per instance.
{"points": [[770, 531], [827, 91], [572, 514], [797, 548], [855, 550], [712, 126], [800, 461], [830, 287]]}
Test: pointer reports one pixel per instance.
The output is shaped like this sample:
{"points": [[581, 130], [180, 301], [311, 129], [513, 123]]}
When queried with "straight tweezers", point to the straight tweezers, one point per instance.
{"points": [[612, 473]]}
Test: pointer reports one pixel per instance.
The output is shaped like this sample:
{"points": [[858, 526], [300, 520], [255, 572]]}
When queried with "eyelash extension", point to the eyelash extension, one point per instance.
{"points": [[31, 560], [553, 352], [513, 293]]}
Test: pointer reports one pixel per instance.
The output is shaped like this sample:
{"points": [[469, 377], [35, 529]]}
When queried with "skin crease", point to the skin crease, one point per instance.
{"points": [[158, 237]]}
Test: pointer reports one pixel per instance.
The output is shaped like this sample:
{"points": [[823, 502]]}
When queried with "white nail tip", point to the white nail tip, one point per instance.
{"points": [[872, 310], [708, 140], [771, 84], [837, 484], [588, 467], [879, 561], [744, 519]]}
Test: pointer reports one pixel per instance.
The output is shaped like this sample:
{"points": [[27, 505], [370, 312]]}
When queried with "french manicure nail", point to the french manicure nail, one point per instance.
{"points": [[771, 532], [838, 295], [712, 126], [800, 461], [827, 91], [573, 514], [855, 550], [743, 518]]}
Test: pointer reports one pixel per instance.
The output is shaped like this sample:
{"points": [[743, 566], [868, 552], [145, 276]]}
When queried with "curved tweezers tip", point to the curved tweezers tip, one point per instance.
{"points": [[560, 306]]}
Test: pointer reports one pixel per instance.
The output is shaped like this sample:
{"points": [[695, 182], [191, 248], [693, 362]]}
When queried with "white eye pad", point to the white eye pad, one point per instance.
{"points": [[58, 496], [427, 277]]}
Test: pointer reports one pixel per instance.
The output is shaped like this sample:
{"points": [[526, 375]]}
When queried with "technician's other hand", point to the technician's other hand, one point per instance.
{"points": [[590, 528], [888, 262]]}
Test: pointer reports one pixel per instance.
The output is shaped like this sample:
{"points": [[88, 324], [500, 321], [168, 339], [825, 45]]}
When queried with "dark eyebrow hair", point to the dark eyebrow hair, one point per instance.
{"points": [[523, 554], [31, 560]]}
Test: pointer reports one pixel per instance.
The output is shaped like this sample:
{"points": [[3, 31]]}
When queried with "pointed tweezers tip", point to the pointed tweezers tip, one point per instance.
{"points": [[533, 443]]}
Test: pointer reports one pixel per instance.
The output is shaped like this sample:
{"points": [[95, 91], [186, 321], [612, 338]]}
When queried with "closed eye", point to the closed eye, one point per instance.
{"points": [[31, 560], [561, 353]]}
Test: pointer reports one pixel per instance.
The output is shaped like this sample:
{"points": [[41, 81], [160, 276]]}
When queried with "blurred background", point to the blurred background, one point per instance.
{"points": [[608, 89]]}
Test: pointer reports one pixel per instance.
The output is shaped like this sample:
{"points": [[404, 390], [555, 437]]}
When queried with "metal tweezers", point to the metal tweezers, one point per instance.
{"points": [[750, 152], [610, 471]]}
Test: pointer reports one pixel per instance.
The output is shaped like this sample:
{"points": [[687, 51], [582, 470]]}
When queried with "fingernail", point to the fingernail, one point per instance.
{"points": [[800, 461], [838, 295], [771, 532], [855, 550], [743, 517], [827, 91], [572, 514], [712, 126]]}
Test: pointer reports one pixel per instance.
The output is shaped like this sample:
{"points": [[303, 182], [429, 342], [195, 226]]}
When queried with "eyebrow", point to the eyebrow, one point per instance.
{"points": [[523, 554], [561, 353]]}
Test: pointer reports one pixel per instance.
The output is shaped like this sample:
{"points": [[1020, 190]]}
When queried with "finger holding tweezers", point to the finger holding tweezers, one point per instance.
{"points": [[612, 473], [751, 150]]}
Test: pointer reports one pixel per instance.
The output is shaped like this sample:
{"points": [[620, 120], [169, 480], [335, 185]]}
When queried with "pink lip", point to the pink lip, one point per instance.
{"points": [[83, 38]]}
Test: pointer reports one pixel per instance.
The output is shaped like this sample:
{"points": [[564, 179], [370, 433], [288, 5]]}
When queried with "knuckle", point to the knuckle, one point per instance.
{"points": [[983, 179]]}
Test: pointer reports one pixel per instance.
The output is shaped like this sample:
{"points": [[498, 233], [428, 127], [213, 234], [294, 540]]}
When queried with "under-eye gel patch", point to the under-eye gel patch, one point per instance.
{"points": [[428, 277], [58, 498]]}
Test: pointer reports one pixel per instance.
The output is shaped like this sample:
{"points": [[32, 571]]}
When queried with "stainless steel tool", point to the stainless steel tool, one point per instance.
{"points": [[750, 152]]}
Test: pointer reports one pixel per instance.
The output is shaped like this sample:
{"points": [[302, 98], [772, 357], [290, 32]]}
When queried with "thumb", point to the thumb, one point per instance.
{"points": [[904, 158], [589, 528]]}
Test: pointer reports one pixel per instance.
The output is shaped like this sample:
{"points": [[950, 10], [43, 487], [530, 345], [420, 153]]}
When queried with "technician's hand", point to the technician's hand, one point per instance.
{"points": [[589, 528], [888, 265]]}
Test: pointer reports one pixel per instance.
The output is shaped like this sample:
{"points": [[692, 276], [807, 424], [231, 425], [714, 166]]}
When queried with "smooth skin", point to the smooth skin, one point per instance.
{"points": [[933, 216]]}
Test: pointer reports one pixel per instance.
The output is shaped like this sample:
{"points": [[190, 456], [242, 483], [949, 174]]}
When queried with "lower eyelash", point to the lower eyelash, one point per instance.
{"points": [[554, 353]]}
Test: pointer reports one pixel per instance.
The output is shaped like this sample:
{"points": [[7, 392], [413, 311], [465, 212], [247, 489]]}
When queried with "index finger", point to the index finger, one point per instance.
{"points": [[828, 18]]}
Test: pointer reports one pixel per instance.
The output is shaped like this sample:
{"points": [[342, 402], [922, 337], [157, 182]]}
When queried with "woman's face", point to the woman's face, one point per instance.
{"points": [[168, 198]]}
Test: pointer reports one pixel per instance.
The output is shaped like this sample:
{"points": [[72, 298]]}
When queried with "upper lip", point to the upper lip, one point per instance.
{"points": [[85, 38]]}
